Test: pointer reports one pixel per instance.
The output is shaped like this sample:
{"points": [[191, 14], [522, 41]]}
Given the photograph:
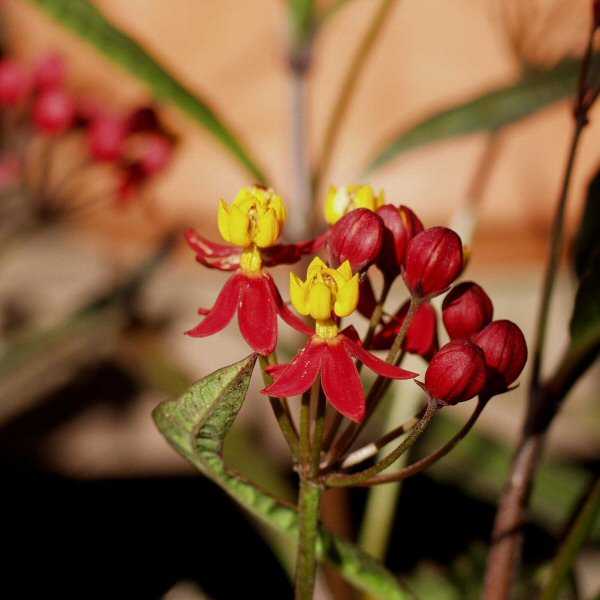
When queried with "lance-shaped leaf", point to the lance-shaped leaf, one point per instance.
{"points": [[82, 17], [587, 241], [488, 112], [196, 425]]}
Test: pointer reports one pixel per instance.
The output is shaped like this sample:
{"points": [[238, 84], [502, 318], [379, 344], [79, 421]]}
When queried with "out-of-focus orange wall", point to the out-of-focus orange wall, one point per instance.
{"points": [[431, 53]]}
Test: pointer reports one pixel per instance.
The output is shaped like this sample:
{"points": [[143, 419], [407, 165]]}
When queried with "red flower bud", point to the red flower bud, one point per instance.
{"points": [[356, 237], [466, 310], [142, 120], [434, 259], [421, 337], [505, 350], [401, 225], [366, 297], [50, 72], [14, 83], [157, 153], [456, 373], [106, 137], [54, 111]]}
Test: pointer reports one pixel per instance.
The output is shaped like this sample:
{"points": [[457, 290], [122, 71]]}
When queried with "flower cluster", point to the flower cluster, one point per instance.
{"points": [[483, 357], [37, 104]]}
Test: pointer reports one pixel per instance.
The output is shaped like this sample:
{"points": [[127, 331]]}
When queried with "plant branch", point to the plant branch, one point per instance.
{"points": [[543, 401], [589, 509], [348, 88], [281, 409], [341, 480], [427, 461]]}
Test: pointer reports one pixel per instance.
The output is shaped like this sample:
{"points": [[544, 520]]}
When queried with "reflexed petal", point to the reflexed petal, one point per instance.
{"points": [[285, 313], [341, 382], [376, 364], [201, 245], [222, 312], [366, 298], [298, 375], [211, 255], [257, 315], [282, 254]]}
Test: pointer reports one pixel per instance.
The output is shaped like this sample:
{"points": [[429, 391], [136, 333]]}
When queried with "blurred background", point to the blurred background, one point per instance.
{"points": [[92, 490]]}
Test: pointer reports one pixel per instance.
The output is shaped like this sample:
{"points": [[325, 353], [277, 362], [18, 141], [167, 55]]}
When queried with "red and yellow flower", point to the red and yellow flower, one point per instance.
{"points": [[252, 223], [326, 295]]}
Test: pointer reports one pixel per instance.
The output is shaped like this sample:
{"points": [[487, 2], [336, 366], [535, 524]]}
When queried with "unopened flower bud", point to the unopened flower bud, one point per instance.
{"points": [[401, 225], [456, 373], [421, 337], [54, 111], [50, 72], [106, 137], [14, 83], [466, 310], [434, 259], [357, 238], [156, 154], [505, 350]]}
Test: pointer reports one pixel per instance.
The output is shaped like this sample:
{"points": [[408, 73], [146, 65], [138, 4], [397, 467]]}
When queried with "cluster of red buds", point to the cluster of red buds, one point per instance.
{"points": [[38, 106], [483, 357]]}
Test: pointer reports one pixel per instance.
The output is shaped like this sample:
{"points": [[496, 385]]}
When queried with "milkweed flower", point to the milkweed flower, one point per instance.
{"points": [[326, 295], [340, 201], [466, 310], [252, 223]]}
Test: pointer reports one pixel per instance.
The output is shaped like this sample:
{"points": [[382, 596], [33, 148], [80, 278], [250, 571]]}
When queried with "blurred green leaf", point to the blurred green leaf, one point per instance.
{"points": [[587, 241], [82, 17], [578, 533], [196, 426], [302, 14], [585, 322], [479, 465], [488, 112]]}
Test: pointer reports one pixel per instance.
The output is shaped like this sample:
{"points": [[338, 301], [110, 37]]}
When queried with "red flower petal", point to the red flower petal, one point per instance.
{"points": [[211, 255], [366, 298], [341, 382], [276, 370], [222, 311], [296, 377], [257, 314], [285, 313], [375, 364]]}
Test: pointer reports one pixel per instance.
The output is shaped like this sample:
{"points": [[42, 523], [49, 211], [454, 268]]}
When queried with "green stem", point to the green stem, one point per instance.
{"points": [[556, 246], [575, 539], [377, 391], [342, 480], [308, 520], [318, 410], [281, 409], [344, 98]]}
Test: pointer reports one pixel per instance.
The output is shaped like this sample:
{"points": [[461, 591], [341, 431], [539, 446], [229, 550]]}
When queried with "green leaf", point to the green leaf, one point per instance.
{"points": [[585, 322], [488, 112], [196, 425], [302, 15], [576, 537], [82, 17], [587, 241]]}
